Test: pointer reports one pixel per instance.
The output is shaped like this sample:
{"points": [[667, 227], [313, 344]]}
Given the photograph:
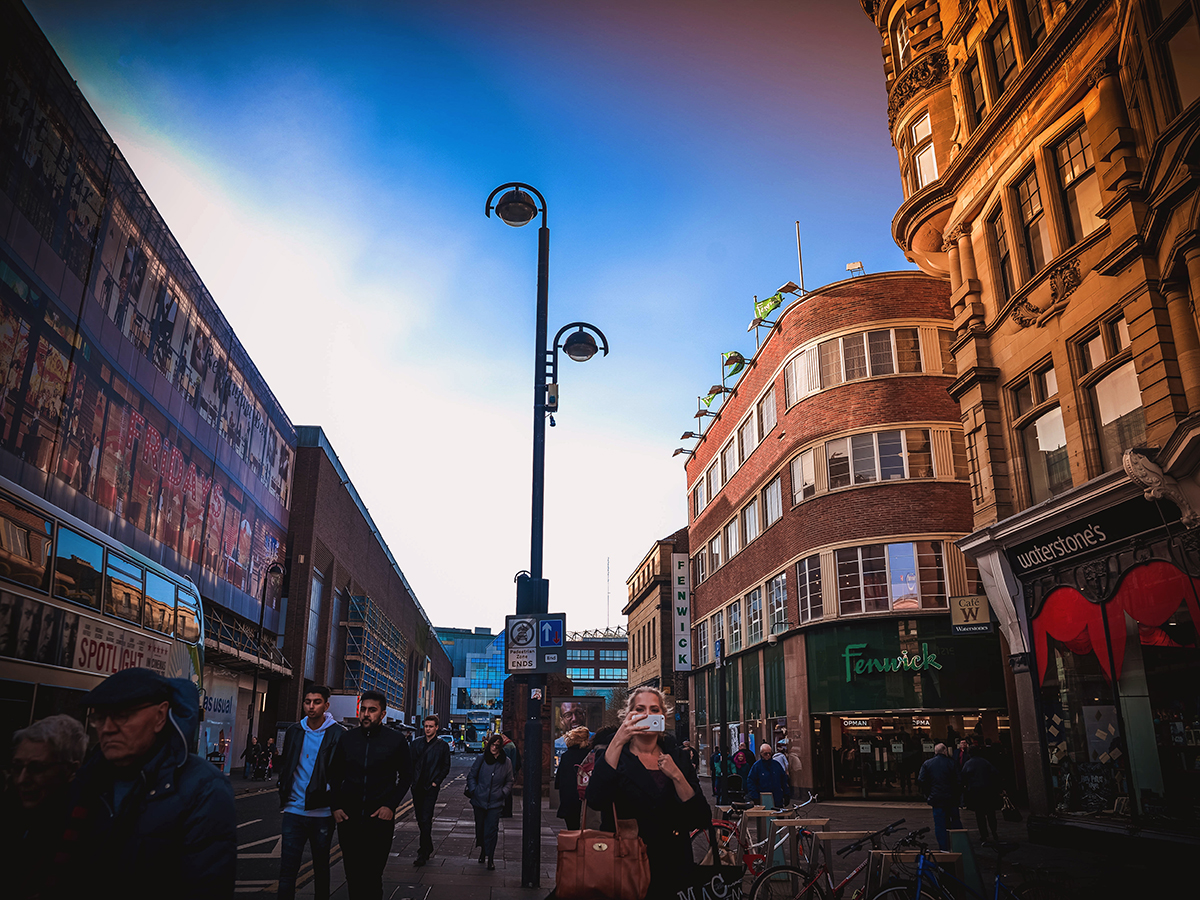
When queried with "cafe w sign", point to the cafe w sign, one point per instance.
{"points": [[970, 615]]}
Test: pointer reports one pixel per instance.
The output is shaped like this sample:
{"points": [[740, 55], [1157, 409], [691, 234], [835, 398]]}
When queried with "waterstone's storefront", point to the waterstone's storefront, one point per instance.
{"points": [[1115, 663], [882, 693]]}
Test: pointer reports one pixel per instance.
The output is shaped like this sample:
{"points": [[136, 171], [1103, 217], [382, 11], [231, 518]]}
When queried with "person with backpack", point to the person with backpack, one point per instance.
{"points": [[566, 778]]}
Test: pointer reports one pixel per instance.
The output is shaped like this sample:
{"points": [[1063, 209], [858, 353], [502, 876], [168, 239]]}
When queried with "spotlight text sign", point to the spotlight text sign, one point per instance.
{"points": [[681, 617]]}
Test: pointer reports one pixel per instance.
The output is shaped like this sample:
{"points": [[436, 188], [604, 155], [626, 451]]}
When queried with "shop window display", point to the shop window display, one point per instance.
{"points": [[1120, 683]]}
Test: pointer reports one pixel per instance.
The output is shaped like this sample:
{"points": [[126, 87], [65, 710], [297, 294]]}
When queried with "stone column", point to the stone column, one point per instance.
{"points": [[1187, 342]]}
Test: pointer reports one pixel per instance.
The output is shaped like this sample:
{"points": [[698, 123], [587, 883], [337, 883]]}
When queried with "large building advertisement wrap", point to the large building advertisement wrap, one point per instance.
{"points": [[119, 377]]}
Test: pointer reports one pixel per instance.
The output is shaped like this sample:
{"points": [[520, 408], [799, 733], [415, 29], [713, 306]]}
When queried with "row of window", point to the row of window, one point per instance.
{"points": [[584, 673], [763, 511], [746, 437], [745, 700], [863, 354], [853, 460], [645, 642], [825, 364], [871, 578], [576, 653], [1108, 377]]}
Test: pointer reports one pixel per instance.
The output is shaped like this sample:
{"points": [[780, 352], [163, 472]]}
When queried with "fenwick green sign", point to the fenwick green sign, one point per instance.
{"points": [[857, 663]]}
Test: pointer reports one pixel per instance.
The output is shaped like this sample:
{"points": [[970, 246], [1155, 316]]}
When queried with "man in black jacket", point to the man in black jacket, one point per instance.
{"points": [[304, 793], [370, 774], [430, 766]]}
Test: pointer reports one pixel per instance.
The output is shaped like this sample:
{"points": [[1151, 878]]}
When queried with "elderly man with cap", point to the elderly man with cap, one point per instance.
{"points": [[148, 816]]}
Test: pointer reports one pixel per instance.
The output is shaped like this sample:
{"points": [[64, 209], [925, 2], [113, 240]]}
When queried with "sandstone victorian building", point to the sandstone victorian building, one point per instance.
{"points": [[826, 498], [1048, 152]]}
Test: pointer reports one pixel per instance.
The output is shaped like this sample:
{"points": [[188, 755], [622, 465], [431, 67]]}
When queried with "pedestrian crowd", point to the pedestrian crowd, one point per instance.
{"points": [[963, 778], [149, 817]]}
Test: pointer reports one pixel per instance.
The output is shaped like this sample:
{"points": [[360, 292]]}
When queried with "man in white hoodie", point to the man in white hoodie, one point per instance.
{"points": [[304, 793]]}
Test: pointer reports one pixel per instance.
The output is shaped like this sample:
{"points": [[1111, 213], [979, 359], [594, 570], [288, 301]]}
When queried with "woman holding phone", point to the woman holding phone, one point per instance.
{"points": [[651, 780]]}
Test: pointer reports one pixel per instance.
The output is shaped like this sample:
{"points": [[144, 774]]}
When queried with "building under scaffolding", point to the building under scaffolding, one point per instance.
{"points": [[375, 652]]}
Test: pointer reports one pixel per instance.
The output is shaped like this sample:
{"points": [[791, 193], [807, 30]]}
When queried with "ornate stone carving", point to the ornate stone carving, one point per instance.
{"points": [[1099, 71], [931, 69], [1158, 485], [1025, 313], [1063, 280]]}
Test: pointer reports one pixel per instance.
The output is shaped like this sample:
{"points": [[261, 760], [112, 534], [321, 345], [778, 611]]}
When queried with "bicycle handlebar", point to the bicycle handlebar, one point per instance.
{"points": [[857, 845]]}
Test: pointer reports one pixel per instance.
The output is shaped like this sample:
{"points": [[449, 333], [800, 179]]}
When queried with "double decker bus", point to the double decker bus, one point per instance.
{"points": [[479, 723], [77, 606]]}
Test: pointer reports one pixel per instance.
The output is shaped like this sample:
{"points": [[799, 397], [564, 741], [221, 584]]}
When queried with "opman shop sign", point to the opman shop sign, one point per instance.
{"points": [[970, 615]]}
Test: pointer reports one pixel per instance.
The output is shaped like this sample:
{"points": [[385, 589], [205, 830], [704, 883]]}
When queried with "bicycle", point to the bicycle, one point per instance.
{"points": [[936, 882], [793, 882], [735, 848]]}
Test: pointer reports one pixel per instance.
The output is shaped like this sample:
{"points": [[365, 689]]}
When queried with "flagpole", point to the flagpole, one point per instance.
{"points": [[799, 256]]}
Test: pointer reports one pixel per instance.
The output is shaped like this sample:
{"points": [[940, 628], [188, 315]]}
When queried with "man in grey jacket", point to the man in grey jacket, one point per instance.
{"points": [[304, 793]]}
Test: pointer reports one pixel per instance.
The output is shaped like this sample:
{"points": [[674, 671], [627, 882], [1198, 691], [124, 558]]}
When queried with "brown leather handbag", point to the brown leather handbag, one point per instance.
{"points": [[596, 864]]}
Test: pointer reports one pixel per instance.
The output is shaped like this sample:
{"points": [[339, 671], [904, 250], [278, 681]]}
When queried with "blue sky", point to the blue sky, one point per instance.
{"points": [[325, 168]]}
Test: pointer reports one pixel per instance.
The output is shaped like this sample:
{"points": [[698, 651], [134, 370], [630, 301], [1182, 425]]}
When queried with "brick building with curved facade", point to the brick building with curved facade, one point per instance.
{"points": [[825, 499]]}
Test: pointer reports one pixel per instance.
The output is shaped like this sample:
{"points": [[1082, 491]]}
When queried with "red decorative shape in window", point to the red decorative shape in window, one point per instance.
{"points": [[1150, 593]]}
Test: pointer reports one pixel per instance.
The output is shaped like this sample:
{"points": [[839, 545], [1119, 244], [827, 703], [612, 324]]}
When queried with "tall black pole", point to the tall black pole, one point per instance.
{"points": [[262, 610], [723, 711], [531, 817]]}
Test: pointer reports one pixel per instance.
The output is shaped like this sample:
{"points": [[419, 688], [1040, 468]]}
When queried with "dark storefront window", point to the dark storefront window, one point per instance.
{"points": [[700, 700], [773, 674], [1132, 748], [883, 692], [751, 688], [733, 706]]}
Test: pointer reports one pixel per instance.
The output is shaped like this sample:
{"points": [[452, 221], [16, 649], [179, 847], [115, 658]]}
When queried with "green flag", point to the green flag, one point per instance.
{"points": [[734, 361], [707, 401], [764, 308]]}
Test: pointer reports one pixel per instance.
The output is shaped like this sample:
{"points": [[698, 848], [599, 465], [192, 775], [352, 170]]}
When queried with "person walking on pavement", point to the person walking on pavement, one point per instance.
{"points": [[144, 809], [369, 775], [250, 755], [570, 804], [430, 766], [981, 792], [939, 781], [308, 748], [513, 752], [767, 777], [716, 763], [488, 783], [33, 810]]}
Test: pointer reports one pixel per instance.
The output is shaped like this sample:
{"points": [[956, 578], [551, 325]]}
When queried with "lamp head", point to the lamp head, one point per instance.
{"points": [[580, 346], [516, 208]]}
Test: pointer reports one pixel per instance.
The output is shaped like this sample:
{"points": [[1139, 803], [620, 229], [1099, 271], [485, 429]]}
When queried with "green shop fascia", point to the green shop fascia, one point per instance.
{"points": [[902, 664]]}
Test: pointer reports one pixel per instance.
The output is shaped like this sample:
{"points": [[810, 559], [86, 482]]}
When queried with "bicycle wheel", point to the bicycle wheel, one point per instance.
{"points": [[1039, 890], [786, 883], [727, 841], [909, 892]]}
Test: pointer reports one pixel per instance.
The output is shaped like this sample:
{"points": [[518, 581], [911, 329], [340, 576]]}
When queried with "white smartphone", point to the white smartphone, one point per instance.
{"points": [[655, 722]]}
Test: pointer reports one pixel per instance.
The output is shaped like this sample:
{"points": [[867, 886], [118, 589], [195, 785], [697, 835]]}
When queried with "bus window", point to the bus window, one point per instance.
{"points": [[160, 603], [187, 619], [123, 589], [24, 545], [77, 566]]}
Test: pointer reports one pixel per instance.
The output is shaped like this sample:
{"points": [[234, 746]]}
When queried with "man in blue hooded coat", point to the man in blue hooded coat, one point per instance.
{"points": [[148, 816]]}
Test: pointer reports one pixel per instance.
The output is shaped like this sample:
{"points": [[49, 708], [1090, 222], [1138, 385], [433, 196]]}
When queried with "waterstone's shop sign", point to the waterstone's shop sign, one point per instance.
{"points": [[901, 663], [1090, 534]]}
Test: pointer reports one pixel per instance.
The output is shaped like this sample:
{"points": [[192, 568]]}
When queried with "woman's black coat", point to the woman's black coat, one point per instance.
{"points": [[665, 823], [564, 780]]}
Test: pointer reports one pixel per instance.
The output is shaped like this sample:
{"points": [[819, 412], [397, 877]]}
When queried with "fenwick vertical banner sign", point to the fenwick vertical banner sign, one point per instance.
{"points": [[681, 618]]}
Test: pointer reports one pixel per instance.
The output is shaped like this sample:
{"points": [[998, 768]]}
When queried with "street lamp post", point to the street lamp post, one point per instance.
{"points": [[273, 569], [516, 207]]}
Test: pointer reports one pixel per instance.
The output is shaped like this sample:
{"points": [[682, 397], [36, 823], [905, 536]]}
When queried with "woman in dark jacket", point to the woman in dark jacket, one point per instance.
{"points": [[489, 782], [981, 792], [569, 803], [649, 779]]}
